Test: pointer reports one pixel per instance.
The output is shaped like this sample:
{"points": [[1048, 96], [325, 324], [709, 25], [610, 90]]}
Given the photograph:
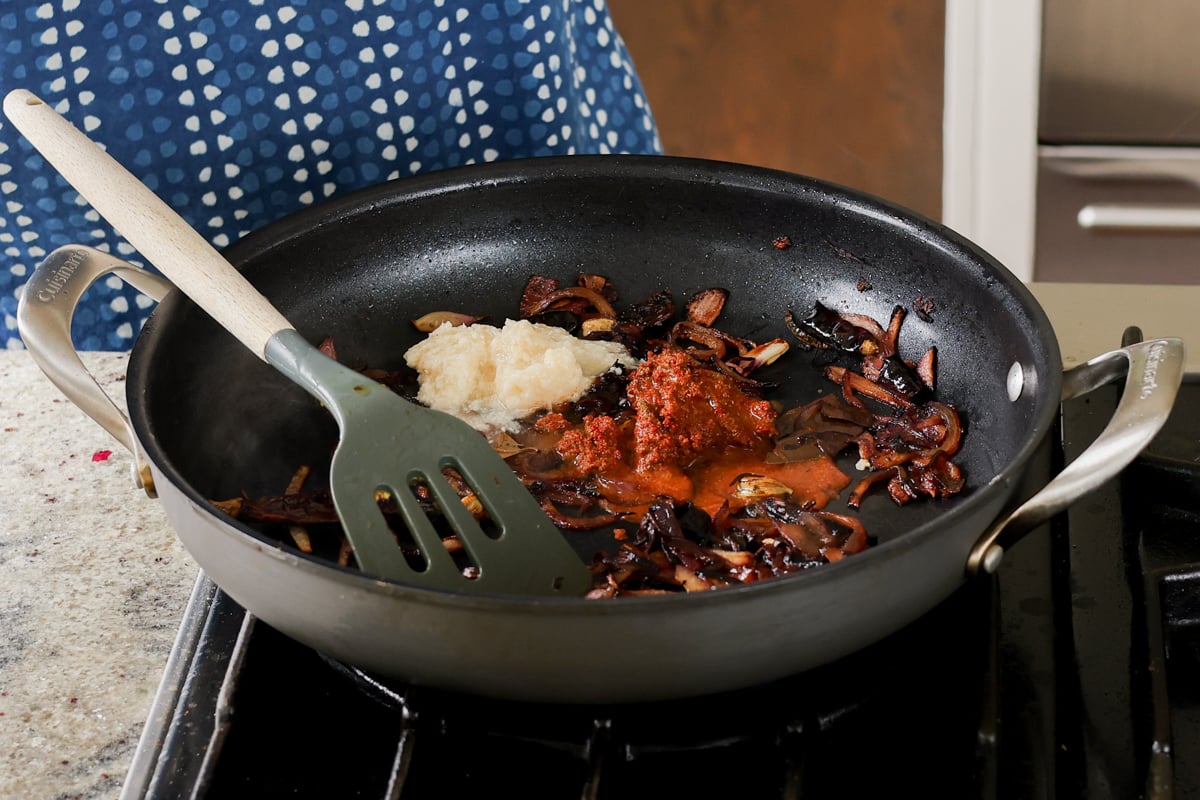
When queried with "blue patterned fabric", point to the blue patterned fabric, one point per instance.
{"points": [[237, 112]]}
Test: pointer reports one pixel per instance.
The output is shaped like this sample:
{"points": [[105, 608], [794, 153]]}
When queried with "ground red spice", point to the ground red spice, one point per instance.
{"points": [[552, 422], [684, 410], [596, 447]]}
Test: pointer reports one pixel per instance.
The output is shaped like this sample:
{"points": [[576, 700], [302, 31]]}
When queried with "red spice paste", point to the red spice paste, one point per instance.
{"points": [[684, 411], [693, 431]]}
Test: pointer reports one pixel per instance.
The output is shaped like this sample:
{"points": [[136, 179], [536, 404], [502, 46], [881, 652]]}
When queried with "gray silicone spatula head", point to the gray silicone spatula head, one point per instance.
{"points": [[390, 446], [387, 443]]}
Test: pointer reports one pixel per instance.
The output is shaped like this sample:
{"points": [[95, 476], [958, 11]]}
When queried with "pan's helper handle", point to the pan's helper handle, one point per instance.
{"points": [[1153, 371], [150, 225], [44, 321]]}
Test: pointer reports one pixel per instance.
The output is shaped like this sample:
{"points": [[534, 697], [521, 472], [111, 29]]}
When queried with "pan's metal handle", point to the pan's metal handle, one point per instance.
{"points": [[1153, 371], [44, 321]]}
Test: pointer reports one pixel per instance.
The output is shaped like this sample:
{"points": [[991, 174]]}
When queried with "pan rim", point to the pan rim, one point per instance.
{"points": [[691, 170]]}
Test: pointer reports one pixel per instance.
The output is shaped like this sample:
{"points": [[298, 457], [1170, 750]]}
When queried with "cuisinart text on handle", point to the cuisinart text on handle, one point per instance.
{"points": [[59, 278], [1153, 359]]}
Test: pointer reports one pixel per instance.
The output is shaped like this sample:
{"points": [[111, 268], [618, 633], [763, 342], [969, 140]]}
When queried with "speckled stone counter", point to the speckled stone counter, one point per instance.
{"points": [[92, 586]]}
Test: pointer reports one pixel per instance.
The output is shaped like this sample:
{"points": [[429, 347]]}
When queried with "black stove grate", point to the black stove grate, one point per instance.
{"points": [[1042, 682]]}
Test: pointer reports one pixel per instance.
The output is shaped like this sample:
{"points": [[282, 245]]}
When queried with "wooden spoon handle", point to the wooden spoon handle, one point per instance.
{"points": [[150, 225]]}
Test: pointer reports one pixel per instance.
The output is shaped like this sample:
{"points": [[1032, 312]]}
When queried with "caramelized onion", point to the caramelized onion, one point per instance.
{"points": [[591, 296], [706, 305], [435, 319]]}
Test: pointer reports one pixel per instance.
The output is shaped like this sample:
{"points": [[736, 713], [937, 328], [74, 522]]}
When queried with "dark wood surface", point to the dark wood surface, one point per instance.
{"points": [[848, 91]]}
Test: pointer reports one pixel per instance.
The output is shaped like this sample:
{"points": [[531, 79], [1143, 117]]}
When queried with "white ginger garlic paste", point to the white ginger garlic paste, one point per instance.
{"points": [[492, 377]]}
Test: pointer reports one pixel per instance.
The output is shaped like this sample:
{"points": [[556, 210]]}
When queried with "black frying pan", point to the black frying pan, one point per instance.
{"points": [[216, 422]]}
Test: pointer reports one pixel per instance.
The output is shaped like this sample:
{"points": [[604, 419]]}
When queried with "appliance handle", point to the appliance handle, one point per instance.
{"points": [[1153, 371], [1136, 217], [44, 315], [1122, 163]]}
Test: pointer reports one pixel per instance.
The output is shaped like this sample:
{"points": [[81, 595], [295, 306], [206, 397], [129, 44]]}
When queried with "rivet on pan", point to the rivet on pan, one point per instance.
{"points": [[1016, 381]]}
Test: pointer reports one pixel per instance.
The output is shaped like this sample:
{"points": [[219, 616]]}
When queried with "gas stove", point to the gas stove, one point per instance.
{"points": [[1067, 674]]}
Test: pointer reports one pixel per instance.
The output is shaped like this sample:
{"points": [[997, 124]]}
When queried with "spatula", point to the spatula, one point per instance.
{"points": [[387, 444]]}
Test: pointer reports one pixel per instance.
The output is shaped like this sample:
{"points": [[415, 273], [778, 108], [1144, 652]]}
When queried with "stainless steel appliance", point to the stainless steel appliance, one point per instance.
{"points": [[1118, 185]]}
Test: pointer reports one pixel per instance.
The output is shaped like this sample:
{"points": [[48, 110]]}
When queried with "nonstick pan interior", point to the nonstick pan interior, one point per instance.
{"points": [[360, 268]]}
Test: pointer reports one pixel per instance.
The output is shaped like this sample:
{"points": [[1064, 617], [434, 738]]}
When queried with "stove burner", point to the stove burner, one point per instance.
{"points": [[286, 716], [1168, 552], [1069, 674], [802, 731]]}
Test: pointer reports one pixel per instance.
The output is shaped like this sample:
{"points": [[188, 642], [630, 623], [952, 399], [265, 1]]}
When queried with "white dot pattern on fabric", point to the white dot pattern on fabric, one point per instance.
{"points": [[237, 113]]}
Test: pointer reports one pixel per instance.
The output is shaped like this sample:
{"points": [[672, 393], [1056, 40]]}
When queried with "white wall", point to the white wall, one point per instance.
{"points": [[989, 163]]}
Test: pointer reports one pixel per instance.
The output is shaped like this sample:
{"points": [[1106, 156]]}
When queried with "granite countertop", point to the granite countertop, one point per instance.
{"points": [[93, 583]]}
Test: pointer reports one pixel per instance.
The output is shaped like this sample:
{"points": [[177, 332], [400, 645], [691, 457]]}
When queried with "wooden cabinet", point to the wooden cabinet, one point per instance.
{"points": [[847, 91]]}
